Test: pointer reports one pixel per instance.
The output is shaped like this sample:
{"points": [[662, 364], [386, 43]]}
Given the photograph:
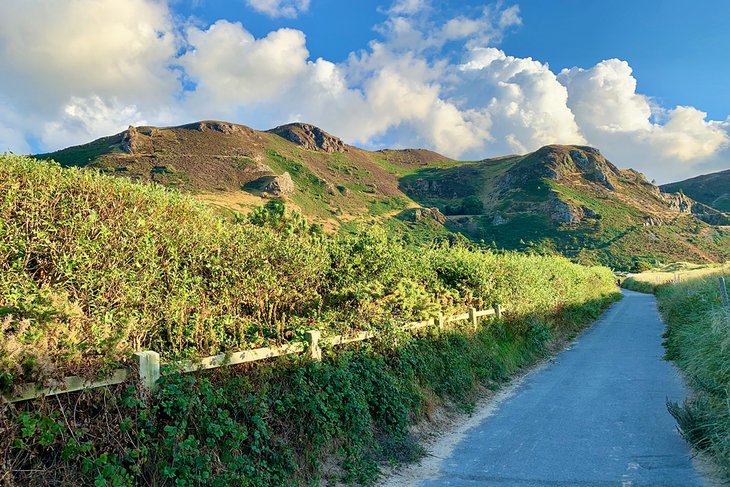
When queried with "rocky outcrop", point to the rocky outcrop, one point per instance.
{"points": [[559, 162], [281, 185], [131, 140], [683, 204], [310, 137], [430, 214], [498, 220], [424, 214], [709, 215], [563, 212], [223, 127], [331, 188]]}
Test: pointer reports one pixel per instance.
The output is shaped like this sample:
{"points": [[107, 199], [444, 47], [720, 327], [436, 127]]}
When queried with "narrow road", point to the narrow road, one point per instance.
{"points": [[595, 417]]}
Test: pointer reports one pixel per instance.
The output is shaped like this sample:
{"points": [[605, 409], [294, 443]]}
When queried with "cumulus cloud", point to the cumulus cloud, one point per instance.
{"points": [[279, 8], [75, 70], [519, 98], [632, 130], [230, 67], [54, 53]]}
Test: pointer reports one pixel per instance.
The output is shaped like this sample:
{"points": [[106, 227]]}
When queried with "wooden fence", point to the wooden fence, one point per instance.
{"points": [[148, 369]]}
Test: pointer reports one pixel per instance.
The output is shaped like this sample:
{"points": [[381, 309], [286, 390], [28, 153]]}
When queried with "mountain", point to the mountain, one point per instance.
{"points": [[571, 199], [710, 189], [566, 199]]}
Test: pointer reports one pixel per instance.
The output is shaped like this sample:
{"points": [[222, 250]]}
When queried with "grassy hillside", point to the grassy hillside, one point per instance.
{"points": [[98, 267], [698, 331], [710, 189], [559, 199], [573, 201]]}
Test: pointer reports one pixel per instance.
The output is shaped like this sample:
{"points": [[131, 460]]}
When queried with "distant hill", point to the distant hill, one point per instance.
{"points": [[566, 199], [710, 189], [571, 199]]}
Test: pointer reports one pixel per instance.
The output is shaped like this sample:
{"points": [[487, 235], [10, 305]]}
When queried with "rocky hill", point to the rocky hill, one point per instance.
{"points": [[711, 189], [567, 199], [573, 200]]}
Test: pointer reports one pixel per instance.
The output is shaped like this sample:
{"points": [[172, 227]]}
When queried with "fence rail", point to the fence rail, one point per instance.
{"points": [[149, 369]]}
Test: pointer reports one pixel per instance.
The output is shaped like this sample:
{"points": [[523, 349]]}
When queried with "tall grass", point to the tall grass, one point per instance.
{"points": [[698, 341], [94, 268]]}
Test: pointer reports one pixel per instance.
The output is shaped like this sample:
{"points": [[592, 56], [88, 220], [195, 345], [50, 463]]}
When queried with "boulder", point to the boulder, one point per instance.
{"points": [[310, 137], [281, 185]]}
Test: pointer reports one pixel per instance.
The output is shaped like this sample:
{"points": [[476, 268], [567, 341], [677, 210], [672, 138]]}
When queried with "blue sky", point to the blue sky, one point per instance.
{"points": [[642, 80], [679, 49]]}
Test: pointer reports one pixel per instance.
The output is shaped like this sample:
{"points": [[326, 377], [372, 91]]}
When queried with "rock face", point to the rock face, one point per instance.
{"points": [[429, 214], [682, 204], [423, 214], [559, 162], [498, 220], [223, 127], [310, 137], [563, 212], [130, 140], [281, 185]]}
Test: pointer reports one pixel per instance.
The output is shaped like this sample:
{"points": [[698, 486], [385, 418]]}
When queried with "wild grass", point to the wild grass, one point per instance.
{"points": [[698, 341], [94, 268], [648, 281]]}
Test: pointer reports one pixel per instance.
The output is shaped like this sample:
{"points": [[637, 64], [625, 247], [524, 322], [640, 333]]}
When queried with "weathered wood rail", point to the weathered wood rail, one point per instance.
{"points": [[149, 369]]}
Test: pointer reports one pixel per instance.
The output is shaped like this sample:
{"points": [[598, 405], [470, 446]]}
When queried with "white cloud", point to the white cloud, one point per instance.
{"points": [[74, 70], [617, 119], [406, 31], [232, 68], [55, 53], [83, 118], [280, 8], [55, 49], [521, 99], [408, 7]]}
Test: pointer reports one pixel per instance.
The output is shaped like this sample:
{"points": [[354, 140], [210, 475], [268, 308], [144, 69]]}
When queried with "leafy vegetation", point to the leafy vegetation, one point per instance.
{"points": [[697, 340], [96, 267]]}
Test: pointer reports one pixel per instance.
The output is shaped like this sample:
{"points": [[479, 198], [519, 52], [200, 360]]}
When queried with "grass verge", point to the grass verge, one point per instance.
{"points": [[698, 341]]}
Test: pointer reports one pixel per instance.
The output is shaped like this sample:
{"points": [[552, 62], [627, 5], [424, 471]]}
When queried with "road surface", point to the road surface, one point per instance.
{"points": [[596, 417]]}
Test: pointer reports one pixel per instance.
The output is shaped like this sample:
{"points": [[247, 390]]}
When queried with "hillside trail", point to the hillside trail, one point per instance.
{"points": [[595, 415]]}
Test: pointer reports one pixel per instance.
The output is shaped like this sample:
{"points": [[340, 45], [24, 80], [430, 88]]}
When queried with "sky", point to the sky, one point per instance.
{"points": [[643, 81]]}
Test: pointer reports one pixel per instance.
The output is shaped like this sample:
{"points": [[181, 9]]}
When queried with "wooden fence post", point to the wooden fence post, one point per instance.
{"points": [[723, 292], [313, 337], [148, 364], [473, 318], [498, 311], [440, 322]]}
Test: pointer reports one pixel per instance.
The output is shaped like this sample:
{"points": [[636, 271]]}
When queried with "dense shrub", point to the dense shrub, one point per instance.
{"points": [[94, 268]]}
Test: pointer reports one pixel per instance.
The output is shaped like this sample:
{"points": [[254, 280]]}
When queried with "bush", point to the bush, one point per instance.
{"points": [[98, 267]]}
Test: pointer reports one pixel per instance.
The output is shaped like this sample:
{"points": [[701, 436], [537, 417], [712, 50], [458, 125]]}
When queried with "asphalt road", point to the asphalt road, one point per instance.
{"points": [[596, 417]]}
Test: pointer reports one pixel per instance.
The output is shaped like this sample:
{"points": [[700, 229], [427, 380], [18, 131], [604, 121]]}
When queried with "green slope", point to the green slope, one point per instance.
{"points": [[566, 199], [710, 189]]}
